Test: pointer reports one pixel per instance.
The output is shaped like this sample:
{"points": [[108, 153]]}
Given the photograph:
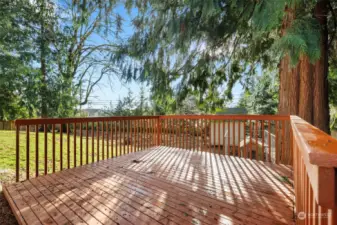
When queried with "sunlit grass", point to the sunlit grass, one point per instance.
{"points": [[8, 152]]}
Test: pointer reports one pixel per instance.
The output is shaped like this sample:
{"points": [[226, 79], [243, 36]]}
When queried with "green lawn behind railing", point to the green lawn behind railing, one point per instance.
{"points": [[8, 152]]}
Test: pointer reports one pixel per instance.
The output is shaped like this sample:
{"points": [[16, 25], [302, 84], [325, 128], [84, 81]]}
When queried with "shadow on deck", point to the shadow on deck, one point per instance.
{"points": [[161, 185]]}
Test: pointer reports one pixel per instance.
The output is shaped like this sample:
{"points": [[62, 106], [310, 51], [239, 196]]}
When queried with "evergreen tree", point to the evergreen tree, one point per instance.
{"points": [[204, 45], [262, 97]]}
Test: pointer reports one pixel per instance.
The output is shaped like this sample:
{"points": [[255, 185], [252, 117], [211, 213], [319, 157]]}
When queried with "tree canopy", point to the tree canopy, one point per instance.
{"points": [[197, 47], [52, 54]]}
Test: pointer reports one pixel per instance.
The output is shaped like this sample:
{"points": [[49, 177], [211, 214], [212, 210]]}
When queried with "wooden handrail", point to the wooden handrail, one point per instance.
{"points": [[314, 164], [319, 147], [21, 122], [236, 117]]}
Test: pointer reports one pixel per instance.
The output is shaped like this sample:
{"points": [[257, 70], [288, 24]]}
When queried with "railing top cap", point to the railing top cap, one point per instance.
{"points": [[320, 147], [21, 122]]}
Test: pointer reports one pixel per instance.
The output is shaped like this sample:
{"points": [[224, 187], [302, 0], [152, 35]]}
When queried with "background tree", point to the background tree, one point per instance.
{"points": [[55, 50], [204, 45], [262, 96], [16, 55], [130, 106]]}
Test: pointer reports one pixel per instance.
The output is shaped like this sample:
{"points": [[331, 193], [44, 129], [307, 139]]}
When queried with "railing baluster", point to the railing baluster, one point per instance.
{"points": [[97, 150], [276, 142], [223, 130], [188, 131], [244, 139], [127, 136], [269, 140], [87, 142], [61, 147], [213, 125], [234, 143], [182, 134], [116, 137], [130, 135], [229, 137], [27, 152], [250, 140], [45, 149], [92, 142], [218, 122], [208, 134], [262, 134], [103, 155], [152, 132], [145, 141], [36, 150], [169, 132], [81, 144], [53, 146], [112, 138], [123, 130], [174, 133], [107, 139], [256, 140], [142, 135], [74, 136], [239, 138], [68, 145], [17, 149], [145, 134], [120, 138], [283, 142], [195, 135], [135, 142]]}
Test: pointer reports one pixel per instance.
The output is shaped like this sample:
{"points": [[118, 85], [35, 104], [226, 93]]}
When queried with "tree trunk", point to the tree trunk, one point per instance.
{"points": [[43, 68], [321, 112], [304, 88]]}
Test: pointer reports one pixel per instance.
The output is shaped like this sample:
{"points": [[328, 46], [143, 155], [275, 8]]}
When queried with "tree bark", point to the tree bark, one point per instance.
{"points": [[321, 112], [305, 108], [43, 68], [304, 88]]}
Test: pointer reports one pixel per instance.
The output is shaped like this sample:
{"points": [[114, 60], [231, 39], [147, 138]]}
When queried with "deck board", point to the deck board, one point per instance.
{"points": [[161, 185]]}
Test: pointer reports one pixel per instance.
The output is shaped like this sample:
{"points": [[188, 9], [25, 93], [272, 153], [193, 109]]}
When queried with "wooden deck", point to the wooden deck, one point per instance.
{"points": [[158, 186]]}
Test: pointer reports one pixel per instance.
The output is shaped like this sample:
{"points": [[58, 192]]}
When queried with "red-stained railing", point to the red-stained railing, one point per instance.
{"points": [[315, 174], [47, 145], [260, 137]]}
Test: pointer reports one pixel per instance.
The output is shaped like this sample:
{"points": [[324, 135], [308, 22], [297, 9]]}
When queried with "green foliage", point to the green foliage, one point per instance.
{"points": [[130, 106], [191, 47], [262, 96], [195, 47], [48, 54], [302, 38]]}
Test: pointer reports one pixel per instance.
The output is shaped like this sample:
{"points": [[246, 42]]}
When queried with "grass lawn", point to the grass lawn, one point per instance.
{"points": [[7, 153]]}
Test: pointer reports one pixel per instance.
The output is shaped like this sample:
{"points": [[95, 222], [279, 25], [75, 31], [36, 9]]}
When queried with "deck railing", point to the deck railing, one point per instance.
{"points": [[258, 137], [315, 174], [56, 144]]}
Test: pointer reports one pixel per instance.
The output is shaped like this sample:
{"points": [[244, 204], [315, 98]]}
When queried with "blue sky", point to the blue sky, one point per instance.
{"points": [[110, 90]]}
